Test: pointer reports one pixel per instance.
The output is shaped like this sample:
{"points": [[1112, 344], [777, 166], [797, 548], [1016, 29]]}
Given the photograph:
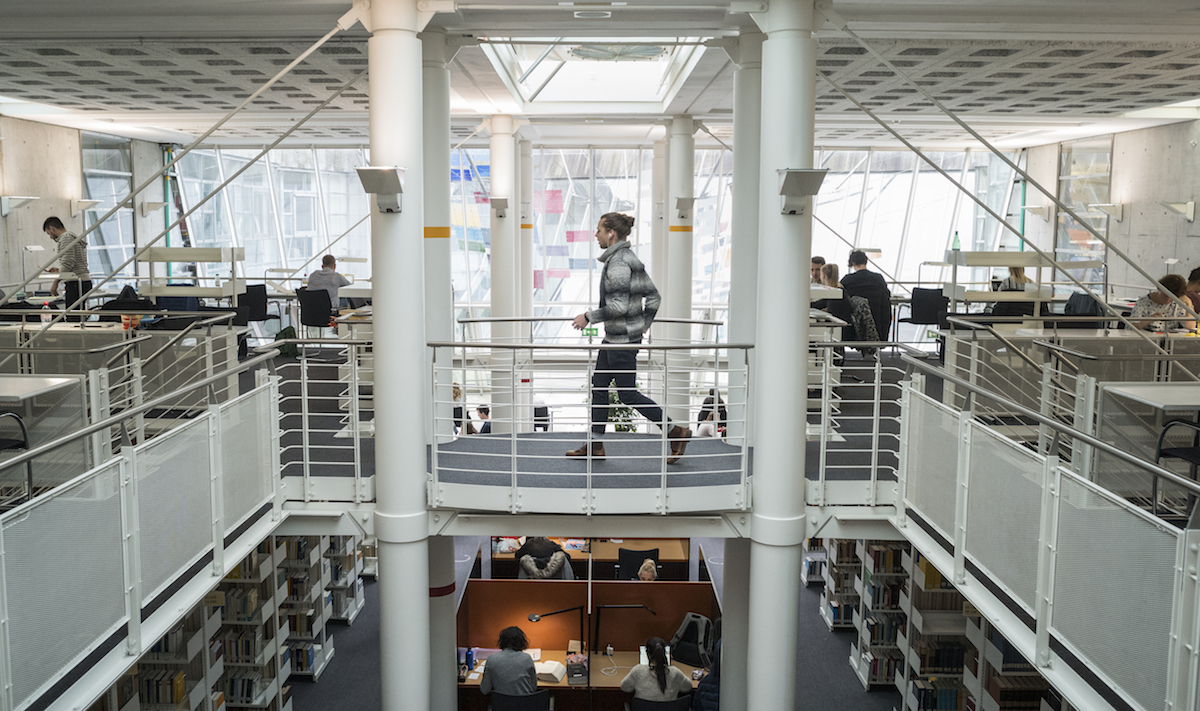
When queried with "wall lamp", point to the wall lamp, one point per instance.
{"points": [[1116, 211], [797, 186], [8, 203], [574, 678], [500, 206], [1042, 211], [1187, 209], [683, 206], [386, 183]]}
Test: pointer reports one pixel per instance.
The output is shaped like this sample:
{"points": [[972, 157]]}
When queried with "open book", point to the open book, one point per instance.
{"points": [[550, 671]]}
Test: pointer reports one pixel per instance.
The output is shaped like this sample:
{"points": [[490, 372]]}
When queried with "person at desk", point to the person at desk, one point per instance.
{"points": [[859, 275], [485, 415], [817, 263], [658, 680], [510, 671], [1158, 304], [328, 279], [72, 261], [648, 573], [1193, 289], [1015, 281], [829, 277]]}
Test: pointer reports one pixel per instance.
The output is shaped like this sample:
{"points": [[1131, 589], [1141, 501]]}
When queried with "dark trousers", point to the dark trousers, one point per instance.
{"points": [[72, 291], [620, 366]]}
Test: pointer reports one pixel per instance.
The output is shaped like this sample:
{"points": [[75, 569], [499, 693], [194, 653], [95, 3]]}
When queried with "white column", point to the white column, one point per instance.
{"points": [[402, 387], [680, 179], [439, 291], [439, 314], [743, 291], [525, 298], [443, 681], [658, 231], [504, 265], [785, 242], [735, 612]]}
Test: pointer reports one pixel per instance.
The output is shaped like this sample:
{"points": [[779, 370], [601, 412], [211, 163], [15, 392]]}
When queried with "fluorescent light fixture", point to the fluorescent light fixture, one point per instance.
{"points": [[1116, 211], [149, 207], [1187, 209], [797, 185], [1042, 211], [500, 206], [386, 183], [8, 203]]}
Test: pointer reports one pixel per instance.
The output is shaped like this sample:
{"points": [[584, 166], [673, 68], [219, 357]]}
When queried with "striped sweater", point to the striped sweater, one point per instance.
{"points": [[628, 299]]}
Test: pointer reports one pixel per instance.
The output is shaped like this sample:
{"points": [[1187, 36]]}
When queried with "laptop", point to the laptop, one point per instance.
{"points": [[642, 658]]}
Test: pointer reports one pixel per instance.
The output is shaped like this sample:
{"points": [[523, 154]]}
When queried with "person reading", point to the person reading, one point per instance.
{"points": [[657, 680], [510, 671], [1159, 304]]}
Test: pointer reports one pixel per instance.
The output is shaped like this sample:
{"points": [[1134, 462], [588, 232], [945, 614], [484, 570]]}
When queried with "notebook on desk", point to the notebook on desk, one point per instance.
{"points": [[643, 659]]}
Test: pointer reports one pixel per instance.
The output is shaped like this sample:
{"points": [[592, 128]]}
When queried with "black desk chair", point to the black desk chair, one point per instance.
{"points": [[928, 307], [1191, 455], [7, 443], [316, 310], [628, 562], [538, 701], [683, 703]]}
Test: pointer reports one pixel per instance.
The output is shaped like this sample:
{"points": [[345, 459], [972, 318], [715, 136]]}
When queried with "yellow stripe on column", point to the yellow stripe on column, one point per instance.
{"points": [[526, 226], [681, 228], [435, 232]]}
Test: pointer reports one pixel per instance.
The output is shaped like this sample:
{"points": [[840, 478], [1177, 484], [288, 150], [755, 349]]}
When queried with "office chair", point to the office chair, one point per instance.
{"points": [[316, 309], [1191, 455], [537, 701], [683, 703], [628, 562], [7, 443], [252, 306]]}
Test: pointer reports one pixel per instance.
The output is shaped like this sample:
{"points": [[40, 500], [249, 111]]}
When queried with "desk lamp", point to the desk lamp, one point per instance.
{"points": [[582, 649], [596, 636]]}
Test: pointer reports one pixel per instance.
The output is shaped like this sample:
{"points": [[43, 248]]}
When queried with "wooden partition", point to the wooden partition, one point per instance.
{"points": [[491, 605]]}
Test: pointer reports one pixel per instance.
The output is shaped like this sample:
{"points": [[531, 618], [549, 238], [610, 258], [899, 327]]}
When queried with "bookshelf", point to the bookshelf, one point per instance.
{"points": [[998, 678], [839, 599], [307, 606], [814, 560], [933, 640], [257, 663], [345, 580], [370, 557], [880, 583]]}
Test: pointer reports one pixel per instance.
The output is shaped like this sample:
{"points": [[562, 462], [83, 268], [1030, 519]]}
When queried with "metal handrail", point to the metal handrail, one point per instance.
{"points": [[213, 321], [67, 351], [140, 409], [538, 319], [589, 346], [987, 327], [1041, 419]]}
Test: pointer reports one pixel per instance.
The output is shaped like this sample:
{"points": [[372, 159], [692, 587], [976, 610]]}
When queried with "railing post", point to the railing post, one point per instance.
{"points": [[304, 425], [902, 450], [269, 416], [1085, 404], [216, 474], [139, 397], [355, 427], [432, 493], [745, 497], [973, 372], [1183, 672], [512, 430], [825, 421], [663, 432], [6, 683], [96, 385], [131, 540], [960, 498], [1045, 409], [872, 495], [1047, 551]]}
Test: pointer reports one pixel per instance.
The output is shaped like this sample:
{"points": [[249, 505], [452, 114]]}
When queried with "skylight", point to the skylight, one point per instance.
{"points": [[555, 73]]}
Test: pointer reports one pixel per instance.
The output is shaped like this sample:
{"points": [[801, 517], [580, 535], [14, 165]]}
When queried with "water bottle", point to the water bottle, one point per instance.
{"points": [[46, 318], [955, 245], [470, 658]]}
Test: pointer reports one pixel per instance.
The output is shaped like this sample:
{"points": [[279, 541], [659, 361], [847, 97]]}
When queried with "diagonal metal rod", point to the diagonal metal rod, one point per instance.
{"points": [[883, 271], [325, 249], [836, 20], [348, 21], [216, 191], [1041, 253]]}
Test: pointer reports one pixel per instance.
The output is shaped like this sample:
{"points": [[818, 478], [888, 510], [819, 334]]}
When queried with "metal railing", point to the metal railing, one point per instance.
{"points": [[1070, 555], [547, 387], [128, 527]]}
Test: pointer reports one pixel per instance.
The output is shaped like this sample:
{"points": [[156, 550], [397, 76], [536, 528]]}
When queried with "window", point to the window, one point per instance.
{"points": [[108, 177]]}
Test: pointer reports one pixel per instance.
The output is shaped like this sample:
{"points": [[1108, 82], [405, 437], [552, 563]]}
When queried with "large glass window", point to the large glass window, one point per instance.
{"points": [[1084, 177], [108, 177]]}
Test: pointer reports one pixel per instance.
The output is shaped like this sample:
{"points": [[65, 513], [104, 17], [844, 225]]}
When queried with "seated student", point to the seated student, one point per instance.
{"points": [[817, 263], [649, 571], [462, 419], [658, 680], [1158, 304], [485, 414], [1015, 281], [1193, 289], [542, 558], [710, 427], [829, 277], [328, 279], [510, 671]]}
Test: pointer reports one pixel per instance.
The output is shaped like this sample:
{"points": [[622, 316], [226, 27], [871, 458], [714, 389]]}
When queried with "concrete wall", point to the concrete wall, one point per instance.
{"points": [[43, 161], [1042, 165], [147, 158], [1152, 166]]}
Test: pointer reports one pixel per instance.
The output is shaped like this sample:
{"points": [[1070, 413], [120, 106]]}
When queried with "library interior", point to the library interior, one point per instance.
{"points": [[579, 477]]}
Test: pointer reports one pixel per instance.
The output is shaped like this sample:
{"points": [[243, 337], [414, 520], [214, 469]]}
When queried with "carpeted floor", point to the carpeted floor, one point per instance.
{"points": [[824, 679]]}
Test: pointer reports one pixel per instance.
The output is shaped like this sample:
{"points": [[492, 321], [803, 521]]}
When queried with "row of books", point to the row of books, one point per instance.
{"points": [[883, 629], [162, 686], [339, 570], [171, 644], [297, 548], [247, 569], [842, 611], [1013, 661], [946, 601], [244, 646], [884, 558], [301, 624], [244, 686], [940, 657], [299, 586], [882, 667], [305, 655], [939, 694], [240, 605], [934, 579], [843, 552], [1015, 693], [884, 595]]}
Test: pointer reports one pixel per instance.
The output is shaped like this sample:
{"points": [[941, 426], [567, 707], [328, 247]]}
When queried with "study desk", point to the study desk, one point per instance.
{"points": [[603, 553], [51, 407], [1131, 415]]}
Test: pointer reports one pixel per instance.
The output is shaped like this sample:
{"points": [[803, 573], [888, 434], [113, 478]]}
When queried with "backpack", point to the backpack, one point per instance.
{"points": [[693, 642], [287, 350]]}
